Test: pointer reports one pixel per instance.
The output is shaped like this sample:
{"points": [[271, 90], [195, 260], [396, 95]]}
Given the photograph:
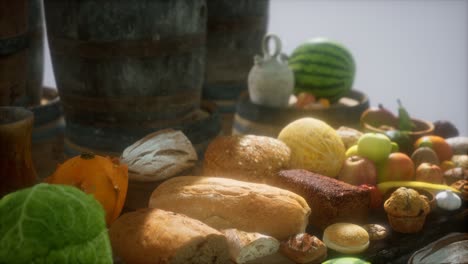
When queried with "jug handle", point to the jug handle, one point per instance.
{"points": [[276, 47]]}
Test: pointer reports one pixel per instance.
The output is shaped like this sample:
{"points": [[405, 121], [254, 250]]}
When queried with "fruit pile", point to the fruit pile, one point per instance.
{"points": [[375, 160]]}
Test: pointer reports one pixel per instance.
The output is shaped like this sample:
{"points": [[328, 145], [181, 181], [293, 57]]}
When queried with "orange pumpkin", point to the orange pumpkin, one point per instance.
{"points": [[104, 178]]}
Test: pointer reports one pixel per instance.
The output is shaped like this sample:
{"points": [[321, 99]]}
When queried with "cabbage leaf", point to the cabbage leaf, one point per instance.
{"points": [[51, 223]]}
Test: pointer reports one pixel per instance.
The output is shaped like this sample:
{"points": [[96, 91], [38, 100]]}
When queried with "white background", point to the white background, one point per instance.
{"points": [[414, 50]]}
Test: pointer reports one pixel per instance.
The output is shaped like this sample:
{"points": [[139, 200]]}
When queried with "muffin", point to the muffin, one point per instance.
{"points": [[407, 210]]}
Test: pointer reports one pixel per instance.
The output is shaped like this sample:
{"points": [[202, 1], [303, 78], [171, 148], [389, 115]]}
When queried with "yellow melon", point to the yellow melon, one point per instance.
{"points": [[315, 146]]}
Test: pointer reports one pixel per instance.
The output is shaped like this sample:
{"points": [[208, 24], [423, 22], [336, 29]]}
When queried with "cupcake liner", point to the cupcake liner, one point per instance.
{"points": [[407, 225]]}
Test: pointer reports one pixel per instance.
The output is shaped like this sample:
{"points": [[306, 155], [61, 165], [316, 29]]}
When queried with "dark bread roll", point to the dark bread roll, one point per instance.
{"points": [[331, 201]]}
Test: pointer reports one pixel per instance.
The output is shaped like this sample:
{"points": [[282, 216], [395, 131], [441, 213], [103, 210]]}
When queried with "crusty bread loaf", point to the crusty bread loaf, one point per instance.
{"points": [[248, 158], [158, 236], [154, 158], [159, 155], [331, 200], [226, 203], [248, 246]]}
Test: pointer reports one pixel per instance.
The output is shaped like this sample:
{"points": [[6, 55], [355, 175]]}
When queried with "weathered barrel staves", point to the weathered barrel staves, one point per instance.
{"points": [[13, 51], [235, 30], [126, 68]]}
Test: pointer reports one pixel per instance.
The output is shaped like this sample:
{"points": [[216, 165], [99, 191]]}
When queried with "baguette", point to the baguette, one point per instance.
{"points": [[158, 236], [226, 203]]}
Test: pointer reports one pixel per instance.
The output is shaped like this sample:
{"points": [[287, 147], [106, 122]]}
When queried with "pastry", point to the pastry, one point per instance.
{"points": [[304, 248], [346, 238], [406, 210]]}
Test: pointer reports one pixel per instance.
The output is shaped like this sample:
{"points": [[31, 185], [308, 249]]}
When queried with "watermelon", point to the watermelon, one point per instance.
{"points": [[324, 68], [346, 260]]}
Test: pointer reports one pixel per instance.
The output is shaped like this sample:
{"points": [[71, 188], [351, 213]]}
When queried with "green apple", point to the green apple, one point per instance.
{"points": [[374, 146]]}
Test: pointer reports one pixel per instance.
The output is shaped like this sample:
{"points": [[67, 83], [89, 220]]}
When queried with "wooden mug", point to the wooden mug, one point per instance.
{"points": [[16, 166]]}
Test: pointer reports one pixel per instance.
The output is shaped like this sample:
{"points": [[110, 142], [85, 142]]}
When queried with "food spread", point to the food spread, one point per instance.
{"points": [[312, 193]]}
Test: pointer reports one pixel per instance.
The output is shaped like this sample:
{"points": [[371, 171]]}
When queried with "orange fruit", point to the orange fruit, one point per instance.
{"points": [[438, 144]]}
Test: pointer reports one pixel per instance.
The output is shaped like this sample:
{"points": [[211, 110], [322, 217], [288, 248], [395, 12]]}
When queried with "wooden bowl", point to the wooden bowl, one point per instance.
{"points": [[379, 121], [256, 119]]}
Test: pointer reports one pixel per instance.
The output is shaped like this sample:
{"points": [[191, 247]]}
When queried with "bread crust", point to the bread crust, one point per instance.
{"points": [[226, 203], [331, 200], [158, 236], [248, 157]]}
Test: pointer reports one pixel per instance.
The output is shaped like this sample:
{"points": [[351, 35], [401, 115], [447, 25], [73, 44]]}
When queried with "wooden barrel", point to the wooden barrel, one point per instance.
{"points": [[48, 133], [268, 121], [235, 30], [35, 53], [201, 130], [13, 51], [126, 68]]}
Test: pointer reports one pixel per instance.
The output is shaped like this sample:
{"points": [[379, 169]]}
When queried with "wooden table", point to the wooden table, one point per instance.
{"points": [[398, 248]]}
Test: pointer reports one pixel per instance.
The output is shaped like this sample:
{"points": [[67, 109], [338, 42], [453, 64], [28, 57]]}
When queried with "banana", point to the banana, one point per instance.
{"points": [[430, 187]]}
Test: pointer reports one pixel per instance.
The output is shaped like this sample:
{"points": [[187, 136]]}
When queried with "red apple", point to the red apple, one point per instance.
{"points": [[376, 197], [398, 167], [357, 170], [428, 172]]}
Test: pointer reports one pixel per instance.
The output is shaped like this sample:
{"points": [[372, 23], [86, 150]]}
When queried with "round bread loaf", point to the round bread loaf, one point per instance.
{"points": [[248, 158], [158, 236], [346, 238]]}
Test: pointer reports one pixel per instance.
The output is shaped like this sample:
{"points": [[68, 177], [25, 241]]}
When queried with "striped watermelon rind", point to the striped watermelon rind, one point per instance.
{"points": [[324, 68]]}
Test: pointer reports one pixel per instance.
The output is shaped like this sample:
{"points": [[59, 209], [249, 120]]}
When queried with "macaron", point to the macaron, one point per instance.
{"points": [[346, 238]]}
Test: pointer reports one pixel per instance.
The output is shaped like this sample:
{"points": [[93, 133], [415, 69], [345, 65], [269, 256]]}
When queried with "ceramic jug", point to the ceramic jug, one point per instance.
{"points": [[270, 80]]}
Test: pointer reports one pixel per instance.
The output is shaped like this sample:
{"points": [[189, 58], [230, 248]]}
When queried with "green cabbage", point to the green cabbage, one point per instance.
{"points": [[51, 223]]}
